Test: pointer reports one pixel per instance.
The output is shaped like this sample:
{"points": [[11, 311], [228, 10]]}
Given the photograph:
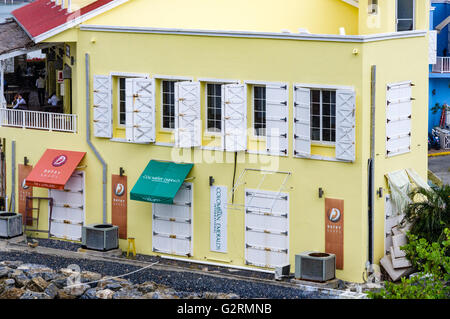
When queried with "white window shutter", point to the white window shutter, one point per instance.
{"points": [[234, 113], [277, 113], [345, 125], [143, 110], [129, 105], [302, 122], [398, 118], [187, 114], [102, 106], [432, 47]]}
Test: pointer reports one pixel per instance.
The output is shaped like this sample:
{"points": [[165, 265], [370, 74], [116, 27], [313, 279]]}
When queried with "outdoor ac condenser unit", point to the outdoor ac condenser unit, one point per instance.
{"points": [[10, 225], [315, 266], [100, 237]]}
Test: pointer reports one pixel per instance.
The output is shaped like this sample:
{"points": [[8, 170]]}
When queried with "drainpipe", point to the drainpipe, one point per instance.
{"points": [[12, 204], [371, 166], [2, 84], [88, 137]]}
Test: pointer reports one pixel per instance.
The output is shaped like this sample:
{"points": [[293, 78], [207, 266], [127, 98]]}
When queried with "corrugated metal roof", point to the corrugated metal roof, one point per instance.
{"points": [[43, 16], [12, 37]]}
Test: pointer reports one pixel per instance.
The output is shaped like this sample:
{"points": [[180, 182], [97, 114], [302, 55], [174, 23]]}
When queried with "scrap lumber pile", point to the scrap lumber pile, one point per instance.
{"points": [[395, 262]]}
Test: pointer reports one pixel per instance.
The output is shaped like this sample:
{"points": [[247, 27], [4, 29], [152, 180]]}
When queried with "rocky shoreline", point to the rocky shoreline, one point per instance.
{"points": [[19, 280]]}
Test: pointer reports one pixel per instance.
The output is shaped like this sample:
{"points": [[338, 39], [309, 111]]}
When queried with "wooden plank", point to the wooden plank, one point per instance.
{"points": [[119, 204], [334, 229]]}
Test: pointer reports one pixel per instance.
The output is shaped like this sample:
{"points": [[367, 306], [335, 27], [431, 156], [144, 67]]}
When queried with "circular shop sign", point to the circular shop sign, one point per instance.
{"points": [[120, 189], [335, 215]]}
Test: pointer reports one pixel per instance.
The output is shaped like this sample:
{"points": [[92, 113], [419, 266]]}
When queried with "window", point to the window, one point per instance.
{"points": [[259, 100], [405, 15], [122, 101], [214, 108], [168, 104], [323, 115], [373, 6]]}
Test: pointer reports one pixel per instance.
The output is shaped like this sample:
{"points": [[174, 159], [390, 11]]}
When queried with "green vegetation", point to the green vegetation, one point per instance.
{"points": [[427, 248]]}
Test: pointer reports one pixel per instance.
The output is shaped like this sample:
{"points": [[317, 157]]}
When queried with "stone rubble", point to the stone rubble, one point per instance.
{"points": [[20, 280]]}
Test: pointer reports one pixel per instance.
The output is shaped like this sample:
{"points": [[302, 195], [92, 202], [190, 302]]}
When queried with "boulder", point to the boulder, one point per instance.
{"points": [[20, 278], [76, 290], [63, 295], [90, 294], [4, 271], [35, 295], [105, 294], [147, 287], [37, 284], [52, 290], [13, 293], [113, 286], [90, 277], [127, 294], [9, 282]]}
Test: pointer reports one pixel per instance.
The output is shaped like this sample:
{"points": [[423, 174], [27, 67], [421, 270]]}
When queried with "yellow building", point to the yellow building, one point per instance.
{"points": [[272, 103]]}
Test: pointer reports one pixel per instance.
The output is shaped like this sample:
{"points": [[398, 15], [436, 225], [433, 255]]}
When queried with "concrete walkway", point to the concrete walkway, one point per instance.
{"points": [[440, 166]]}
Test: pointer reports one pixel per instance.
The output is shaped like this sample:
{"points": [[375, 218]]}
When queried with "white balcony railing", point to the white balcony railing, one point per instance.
{"points": [[442, 65], [38, 120]]}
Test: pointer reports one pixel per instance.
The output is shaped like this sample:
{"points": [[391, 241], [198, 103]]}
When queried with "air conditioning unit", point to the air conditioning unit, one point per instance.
{"points": [[315, 266], [102, 237], [10, 225]]}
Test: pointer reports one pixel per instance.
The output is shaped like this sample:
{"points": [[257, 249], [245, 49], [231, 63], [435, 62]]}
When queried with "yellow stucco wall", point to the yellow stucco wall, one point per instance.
{"points": [[385, 20], [271, 60], [318, 16]]}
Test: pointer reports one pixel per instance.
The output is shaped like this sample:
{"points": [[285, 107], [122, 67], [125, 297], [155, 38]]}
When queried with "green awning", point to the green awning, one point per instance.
{"points": [[160, 182]]}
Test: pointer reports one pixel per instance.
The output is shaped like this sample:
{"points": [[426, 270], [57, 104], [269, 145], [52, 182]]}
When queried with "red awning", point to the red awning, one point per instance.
{"points": [[54, 169]]}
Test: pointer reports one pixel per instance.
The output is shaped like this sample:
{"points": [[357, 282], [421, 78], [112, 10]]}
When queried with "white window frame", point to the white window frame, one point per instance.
{"points": [[124, 75], [213, 81], [326, 88], [161, 79], [207, 132], [257, 137], [413, 17], [321, 141], [373, 7]]}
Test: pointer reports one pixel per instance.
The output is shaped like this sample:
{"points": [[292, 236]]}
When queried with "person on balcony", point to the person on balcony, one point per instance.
{"points": [[53, 100], [19, 102], [40, 85]]}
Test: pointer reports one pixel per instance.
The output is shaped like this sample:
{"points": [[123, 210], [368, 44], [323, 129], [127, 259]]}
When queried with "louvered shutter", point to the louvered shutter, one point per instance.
{"points": [[345, 125], [398, 118], [277, 113], [432, 52], [129, 105], [187, 113], [102, 106], [143, 110], [302, 122], [234, 107]]}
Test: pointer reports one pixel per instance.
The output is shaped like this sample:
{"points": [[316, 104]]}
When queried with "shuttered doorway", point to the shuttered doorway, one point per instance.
{"points": [[172, 224], [266, 228], [68, 216]]}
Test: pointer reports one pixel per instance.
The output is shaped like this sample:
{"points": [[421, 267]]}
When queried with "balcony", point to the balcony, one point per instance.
{"points": [[442, 65], [38, 120]]}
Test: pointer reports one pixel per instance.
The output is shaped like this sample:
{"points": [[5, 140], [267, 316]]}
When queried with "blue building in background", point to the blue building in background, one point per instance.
{"points": [[440, 71]]}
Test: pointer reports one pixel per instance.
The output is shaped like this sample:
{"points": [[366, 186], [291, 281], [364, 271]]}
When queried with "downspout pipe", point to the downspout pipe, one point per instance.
{"points": [[12, 203], [371, 166], [88, 137]]}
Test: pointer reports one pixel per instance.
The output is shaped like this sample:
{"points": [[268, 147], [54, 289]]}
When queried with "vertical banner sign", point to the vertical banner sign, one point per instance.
{"points": [[119, 204], [334, 229], [25, 191], [218, 219]]}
